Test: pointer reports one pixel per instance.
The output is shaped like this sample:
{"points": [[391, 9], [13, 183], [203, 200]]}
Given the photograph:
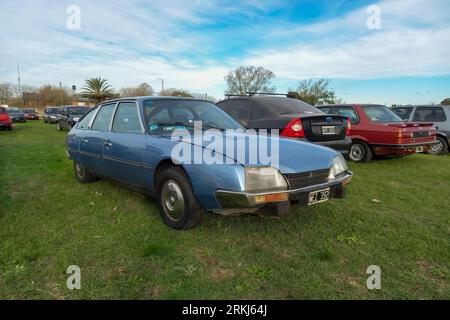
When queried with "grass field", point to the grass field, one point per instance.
{"points": [[49, 221]]}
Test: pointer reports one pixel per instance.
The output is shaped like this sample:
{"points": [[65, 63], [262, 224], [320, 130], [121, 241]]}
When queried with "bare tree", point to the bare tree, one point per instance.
{"points": [[314, 92], [249, 79], [6, 92], [144, 89], [176, 93]]}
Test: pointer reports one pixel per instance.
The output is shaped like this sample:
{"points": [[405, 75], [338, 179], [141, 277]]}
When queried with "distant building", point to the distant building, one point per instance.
{"points": [[78, 100]]}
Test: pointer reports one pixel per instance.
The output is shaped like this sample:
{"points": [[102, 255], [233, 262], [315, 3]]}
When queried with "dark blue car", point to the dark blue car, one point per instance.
{"points": [[132, 141]]}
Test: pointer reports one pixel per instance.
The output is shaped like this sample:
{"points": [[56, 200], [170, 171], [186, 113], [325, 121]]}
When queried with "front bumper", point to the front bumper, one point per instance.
{"points": [[5, 124], [233, 201]]}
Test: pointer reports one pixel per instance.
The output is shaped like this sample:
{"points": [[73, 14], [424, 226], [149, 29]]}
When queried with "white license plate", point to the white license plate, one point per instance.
{"points": [[319, 196], [328, 130], [420, 149]]}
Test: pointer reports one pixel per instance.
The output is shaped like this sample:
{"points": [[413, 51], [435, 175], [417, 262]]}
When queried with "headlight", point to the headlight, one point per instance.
{"points": [[52, 117], [75, 119], [339, 166], [264, 178]]}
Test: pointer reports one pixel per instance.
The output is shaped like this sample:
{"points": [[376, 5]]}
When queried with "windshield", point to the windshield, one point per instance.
{"points": [[381, 114], [13, 110], [28, 111], [77, 110], [168, 115], [282, 106]]}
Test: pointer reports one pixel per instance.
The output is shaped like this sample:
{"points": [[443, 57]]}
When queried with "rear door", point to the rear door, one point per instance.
{"points": [[91, 143], [123, 147]]}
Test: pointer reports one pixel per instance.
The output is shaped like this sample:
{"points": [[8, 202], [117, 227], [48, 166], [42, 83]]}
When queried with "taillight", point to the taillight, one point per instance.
{"points": [[349, 127], [294, 129]]}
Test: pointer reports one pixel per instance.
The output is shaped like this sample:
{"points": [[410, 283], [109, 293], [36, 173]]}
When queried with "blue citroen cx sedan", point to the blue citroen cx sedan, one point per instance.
{"points": [[130, 141]]}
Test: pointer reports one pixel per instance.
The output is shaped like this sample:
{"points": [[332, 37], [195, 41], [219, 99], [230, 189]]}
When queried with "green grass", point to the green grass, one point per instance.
{"points": [[49, 221]]}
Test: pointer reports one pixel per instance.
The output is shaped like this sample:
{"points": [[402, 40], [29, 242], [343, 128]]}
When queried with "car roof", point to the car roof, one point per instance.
{"points": [[142, 98], [349, 105], [421, 106]]}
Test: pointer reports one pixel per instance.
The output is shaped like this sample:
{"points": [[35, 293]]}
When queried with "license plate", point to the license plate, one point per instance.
{"points": [[328, 130], [420, 149], [319, 196]]}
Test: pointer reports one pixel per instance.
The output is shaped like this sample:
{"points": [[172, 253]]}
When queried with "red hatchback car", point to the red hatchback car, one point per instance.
{"points": [[377, 130], [5, 120]]}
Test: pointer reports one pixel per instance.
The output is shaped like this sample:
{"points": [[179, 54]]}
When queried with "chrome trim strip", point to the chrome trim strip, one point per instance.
{"points": [[131, 163], [90, 154]]}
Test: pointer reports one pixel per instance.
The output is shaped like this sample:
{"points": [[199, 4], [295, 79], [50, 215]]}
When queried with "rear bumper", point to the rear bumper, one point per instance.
{"points": [[343, 146], [387, 149], [234, 201]]}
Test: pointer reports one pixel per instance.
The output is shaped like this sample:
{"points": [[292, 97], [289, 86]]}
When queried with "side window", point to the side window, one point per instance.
{"points": [[257, 112], [431, 114], [2, 110], [127, 118], [348, 112], [403, 113], [84, 123], [103, 119]]}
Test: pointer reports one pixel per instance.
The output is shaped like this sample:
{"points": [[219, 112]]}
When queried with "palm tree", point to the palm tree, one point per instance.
{"points": [[97, 89]]}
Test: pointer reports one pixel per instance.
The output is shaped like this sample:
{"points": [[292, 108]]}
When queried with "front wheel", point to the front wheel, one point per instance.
{"points": [[360, 152], [177, 203], [439, 148]]}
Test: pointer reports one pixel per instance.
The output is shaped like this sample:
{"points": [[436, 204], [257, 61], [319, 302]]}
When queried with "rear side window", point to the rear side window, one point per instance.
{"points": [[238, 109], [127, 118], [84, 123], [403, 113], [348, 112], [432, 114], [103, 119]]}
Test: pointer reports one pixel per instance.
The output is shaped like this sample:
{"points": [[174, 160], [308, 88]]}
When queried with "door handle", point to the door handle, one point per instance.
{"points": [[84, 140], [107, 144]]}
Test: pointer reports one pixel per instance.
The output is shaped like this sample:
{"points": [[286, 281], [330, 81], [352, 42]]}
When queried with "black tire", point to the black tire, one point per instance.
{"points": [[360, 152], [9, 128], [184, 212], [81, 174], [439, 149]]}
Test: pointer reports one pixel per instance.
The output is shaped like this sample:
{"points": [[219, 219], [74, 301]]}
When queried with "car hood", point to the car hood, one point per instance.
{"points": [[294, 156]]}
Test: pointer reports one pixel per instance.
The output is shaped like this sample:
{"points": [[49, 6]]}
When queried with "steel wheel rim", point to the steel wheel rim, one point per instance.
{"points": [[357, 152], [172, 200], [437, 148]]}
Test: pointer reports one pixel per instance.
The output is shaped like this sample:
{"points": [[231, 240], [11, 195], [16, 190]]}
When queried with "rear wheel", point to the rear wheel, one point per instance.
{"points": [[82, 175], [178, 205], [360, 152], [440, 148]]}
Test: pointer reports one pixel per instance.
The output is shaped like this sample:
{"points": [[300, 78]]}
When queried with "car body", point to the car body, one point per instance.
{"points": [[30, 114], [437, 114], [129, 141], [376, 130], [50, 114], [68, 116], [16, 114], [292, 117], [5, 119]]}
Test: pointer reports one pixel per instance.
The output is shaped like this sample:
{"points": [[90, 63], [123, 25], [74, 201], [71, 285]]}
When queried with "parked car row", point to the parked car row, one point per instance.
{"points": [[65, 117]]}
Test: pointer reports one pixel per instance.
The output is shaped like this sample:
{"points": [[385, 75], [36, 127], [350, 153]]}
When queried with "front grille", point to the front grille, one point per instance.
{"points": [[420, 134], [305, 179]]}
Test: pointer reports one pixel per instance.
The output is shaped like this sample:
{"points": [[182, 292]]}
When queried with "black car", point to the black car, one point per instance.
{"points": [[16, 114], [68, 116], [50, 114], [292, 117]]}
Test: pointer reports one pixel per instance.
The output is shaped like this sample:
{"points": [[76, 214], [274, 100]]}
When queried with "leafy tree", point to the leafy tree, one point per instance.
{"points": [[97, 89], [446, 102], [176, 93], [6, 92], [314, 92], [249, 79], [144, 89]]}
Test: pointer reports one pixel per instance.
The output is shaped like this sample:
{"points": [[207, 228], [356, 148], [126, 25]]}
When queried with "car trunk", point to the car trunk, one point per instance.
{"points": [[324, 127]]}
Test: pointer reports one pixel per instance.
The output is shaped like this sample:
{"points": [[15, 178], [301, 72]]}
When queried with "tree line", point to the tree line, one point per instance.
{"points": [[241, 81]]}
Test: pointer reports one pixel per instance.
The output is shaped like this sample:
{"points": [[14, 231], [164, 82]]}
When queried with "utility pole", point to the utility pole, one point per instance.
{"points": [[20, 86], [61, 93], [162, 84]]}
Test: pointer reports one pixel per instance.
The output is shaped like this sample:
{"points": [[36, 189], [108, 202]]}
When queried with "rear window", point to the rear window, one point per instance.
{"points": [[403, 113], [77, 110], [381, 114], [2, 110], [51, 110], [431, 114], [283, 106]]}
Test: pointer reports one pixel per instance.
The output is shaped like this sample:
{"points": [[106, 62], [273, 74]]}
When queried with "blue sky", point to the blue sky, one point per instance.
{"points": [[193, 44]]}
